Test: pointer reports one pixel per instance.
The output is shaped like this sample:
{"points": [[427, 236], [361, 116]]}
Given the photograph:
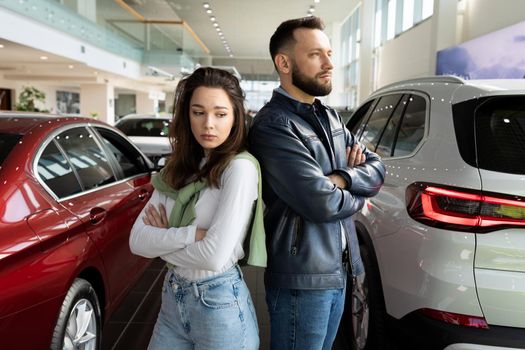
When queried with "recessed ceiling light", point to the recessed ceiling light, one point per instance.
{"points": [[43, 57], [208, 11], [317, 1], [218, 29], [215, 24], [206, 5], [213, 19]]}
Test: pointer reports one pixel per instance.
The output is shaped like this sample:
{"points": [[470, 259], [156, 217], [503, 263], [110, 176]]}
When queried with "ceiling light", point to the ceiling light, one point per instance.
{"points": [[231, 55], [43, 58], [213, 19], [218, 29], [206, 5], [70, 66], [317, 1], [1, 46], [215, 24], [208, 11]]}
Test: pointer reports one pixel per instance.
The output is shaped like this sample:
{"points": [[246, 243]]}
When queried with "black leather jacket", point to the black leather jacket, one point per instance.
{"points": [[304, 210]]}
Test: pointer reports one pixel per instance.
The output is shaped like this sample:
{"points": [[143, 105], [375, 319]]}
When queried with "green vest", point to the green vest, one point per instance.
{"points": [[183, 212]]}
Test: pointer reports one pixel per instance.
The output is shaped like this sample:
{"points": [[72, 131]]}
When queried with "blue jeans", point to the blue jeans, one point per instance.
{"points": [[304, 319], [215, 313]]}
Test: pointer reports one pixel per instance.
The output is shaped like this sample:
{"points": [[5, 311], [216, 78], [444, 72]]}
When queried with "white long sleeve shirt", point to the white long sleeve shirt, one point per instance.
{"points": [[225, 213]]}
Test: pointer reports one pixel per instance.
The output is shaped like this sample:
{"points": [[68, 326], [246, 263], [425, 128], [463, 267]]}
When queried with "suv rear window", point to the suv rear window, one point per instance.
{"points": [[491, 133], [144, 127], [7, 142]]}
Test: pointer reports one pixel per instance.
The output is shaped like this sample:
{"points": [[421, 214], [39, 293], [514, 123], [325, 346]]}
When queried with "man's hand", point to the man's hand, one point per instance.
{"points": [[154, 217], [355, 156]]}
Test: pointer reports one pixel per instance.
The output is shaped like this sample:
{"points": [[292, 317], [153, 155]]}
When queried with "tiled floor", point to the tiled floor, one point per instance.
{"points": [[130, 327]]}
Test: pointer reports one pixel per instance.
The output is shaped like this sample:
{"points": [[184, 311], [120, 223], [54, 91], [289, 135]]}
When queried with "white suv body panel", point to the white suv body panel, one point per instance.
{"points": [[476, 274]]}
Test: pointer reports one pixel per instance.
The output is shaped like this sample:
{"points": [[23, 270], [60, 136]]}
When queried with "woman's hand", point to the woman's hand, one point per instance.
{"points": [[154, 217]]}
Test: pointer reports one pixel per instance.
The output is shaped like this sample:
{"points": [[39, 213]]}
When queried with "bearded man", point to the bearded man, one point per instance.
{"points": [[315, 177]]}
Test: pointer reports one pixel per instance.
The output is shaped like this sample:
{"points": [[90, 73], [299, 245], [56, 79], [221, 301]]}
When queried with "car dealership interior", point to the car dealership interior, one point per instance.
{"points": [[435, 87]]}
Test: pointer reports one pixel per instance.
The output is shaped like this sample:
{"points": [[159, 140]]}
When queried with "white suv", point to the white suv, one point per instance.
{"points": [[149, 132], [443, 243]]}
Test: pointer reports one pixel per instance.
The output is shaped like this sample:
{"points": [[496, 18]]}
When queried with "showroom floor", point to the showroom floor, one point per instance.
{"points": [[131, 325]]}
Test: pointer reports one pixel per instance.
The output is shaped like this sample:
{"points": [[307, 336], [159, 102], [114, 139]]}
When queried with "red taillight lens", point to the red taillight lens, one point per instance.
{"points": [[464, 210], [457, 319]]}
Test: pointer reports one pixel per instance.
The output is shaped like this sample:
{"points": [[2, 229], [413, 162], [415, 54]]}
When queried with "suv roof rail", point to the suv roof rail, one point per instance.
{"points": [[429, 79]]}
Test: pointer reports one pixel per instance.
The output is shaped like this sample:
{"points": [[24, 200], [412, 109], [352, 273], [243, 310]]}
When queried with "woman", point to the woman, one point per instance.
{"points": [[199, 216]]}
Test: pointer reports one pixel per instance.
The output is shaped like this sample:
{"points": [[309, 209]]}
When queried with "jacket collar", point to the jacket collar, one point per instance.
{"points": [[281, 96]]}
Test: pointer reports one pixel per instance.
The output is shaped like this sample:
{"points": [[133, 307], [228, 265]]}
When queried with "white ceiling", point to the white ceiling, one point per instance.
{"points": [[247, 26]]}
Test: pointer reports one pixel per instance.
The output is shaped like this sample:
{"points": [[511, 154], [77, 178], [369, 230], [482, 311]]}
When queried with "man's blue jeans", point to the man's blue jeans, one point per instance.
{"points": [[304, 319], [211, 314]]}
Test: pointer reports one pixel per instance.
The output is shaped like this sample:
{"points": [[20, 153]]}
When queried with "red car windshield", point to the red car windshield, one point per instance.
{"points": [[7, 142]]}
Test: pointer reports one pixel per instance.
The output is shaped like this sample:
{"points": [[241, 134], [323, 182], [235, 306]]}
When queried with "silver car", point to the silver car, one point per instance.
{"points": [[443, 243], [149, 133]]}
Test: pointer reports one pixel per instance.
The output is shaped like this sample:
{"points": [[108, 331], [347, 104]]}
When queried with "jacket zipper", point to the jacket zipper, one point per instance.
{"points": [[296, 235]]}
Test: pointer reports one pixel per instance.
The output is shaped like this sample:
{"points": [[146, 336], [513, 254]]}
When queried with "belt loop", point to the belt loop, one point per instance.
{"points": [[195, 289], [239, 270]]}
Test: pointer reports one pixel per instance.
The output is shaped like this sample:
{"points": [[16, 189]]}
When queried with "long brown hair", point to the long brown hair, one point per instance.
{"points": [[183, 165]]}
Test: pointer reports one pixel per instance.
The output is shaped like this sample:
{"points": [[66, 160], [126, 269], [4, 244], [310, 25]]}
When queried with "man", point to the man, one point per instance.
{"points": [[315, 177]]}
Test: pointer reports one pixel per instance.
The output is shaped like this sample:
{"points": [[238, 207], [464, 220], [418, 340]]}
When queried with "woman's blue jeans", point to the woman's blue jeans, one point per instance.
{"points": [[216, 313], [304, 319]]}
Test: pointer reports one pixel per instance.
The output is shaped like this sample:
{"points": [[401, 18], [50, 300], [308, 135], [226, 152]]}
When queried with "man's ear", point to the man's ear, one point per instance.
{"points": [[283, 64]]}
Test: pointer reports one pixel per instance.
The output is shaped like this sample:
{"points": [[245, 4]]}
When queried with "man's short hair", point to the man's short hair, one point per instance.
{"points": [[283, 36]]}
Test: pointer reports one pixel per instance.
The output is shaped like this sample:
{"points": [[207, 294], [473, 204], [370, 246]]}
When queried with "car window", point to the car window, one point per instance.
{"points": [[56, 172], [412, 126], [129, 159], [88, 159], [386, 144], [378, 120], [144, 127], [356, 121], [7, 142], [500, 134]]}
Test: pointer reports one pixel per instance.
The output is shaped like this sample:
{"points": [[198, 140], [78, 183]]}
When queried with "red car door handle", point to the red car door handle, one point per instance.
{"points": [[96, 215], [143, 195]]}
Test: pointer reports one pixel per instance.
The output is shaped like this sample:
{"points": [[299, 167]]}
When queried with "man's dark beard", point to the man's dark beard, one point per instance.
{"points": [[309, 85]]}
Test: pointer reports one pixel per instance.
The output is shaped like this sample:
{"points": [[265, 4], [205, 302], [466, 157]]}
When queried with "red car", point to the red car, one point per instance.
{"points": [[70, 190]]}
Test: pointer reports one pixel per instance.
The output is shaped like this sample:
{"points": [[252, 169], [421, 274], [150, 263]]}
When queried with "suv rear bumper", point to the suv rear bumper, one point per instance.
{"points": [[425, 333]]}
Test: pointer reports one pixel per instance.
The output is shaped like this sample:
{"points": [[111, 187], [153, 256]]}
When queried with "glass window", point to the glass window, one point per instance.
{"points": [[56, 172], [7, 142], [392, 17], [144, 127], [357, 120], [412, 126], [130, 161], [350, 38], [500, 125], [386, 144], [88, 159], [378, 120]]}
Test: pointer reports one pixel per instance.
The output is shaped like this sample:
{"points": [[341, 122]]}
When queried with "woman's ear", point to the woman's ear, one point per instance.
{"points": [[282, 62]]}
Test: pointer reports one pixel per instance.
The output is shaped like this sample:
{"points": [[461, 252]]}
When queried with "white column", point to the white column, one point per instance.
{"points": [[337, 96], [144, 104], [443, 33], [97, 100], [365, 81]]}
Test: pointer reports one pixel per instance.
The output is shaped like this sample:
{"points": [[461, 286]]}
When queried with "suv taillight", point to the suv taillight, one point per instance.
{"points": [[457, 319], [462, 209]]}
